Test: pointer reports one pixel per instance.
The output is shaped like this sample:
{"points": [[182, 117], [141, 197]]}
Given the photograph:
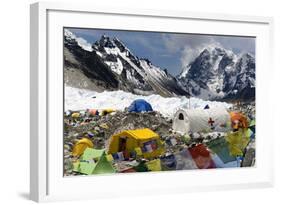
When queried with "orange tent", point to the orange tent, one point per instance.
{"points": [[93, 112], [238, 120]]}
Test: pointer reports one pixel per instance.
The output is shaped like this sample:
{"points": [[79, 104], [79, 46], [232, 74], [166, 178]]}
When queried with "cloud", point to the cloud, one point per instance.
{"points": [[189, 46], [189, 54], [238, 44], [177, 42], [84, 44]]}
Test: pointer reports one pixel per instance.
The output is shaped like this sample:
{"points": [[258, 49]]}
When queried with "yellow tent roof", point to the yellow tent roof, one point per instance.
{"points": [[141, 134]]}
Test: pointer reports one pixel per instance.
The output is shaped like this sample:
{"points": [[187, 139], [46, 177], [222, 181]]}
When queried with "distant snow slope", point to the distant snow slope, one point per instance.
{"points": [[80, 99]]}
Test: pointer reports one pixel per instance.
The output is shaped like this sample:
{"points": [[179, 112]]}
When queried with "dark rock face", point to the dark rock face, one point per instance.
{"points": [[89, 63]]}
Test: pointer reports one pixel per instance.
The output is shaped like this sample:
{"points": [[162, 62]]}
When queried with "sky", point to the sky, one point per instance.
{"points": [[169, 51]]}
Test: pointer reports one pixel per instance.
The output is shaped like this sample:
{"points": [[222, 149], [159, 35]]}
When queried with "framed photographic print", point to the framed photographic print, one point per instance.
{"points": [[145, 100]]}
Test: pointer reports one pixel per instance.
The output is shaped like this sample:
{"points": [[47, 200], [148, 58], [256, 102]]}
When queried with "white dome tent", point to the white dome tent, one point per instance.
{"points": [[197, 120]]}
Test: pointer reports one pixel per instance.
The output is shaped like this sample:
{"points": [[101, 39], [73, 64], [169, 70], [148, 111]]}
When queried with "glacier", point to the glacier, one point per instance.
{"points": [[81, 99]]}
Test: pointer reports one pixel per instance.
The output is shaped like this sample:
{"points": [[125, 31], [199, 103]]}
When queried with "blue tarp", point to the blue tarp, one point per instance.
{"points": [[140, 105]]}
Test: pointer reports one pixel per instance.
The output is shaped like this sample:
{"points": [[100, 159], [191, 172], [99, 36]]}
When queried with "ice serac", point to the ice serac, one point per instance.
{"points": [[110, 65], [218, 73]]}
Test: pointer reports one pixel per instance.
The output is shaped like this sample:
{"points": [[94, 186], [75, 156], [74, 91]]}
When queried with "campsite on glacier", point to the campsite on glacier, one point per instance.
{"points": [[122, 111]]}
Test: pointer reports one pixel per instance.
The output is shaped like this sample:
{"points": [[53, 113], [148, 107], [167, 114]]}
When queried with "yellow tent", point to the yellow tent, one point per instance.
{"points": [[107, 111], [75, 115], [145, 139], [81, 145]]}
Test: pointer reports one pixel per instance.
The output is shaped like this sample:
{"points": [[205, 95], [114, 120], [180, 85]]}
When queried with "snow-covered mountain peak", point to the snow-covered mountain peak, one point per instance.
{"points": [[120, 44], [68, 34], [216, 50], [111, 57], [113, 46], [80, 41], [105, 42], [217, 71], [246, 57], [208, 58]]}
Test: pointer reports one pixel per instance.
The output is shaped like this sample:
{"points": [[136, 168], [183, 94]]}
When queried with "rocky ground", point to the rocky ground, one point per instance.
{"points": [[249, 109], [102, 127]]}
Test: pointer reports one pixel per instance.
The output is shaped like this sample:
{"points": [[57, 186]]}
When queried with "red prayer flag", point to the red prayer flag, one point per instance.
{"points": [[202, 157]]}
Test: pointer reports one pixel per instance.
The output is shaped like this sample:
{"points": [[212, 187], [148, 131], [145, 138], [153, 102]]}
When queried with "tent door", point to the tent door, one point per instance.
{"points": [[182, 124], [122, 144], [181, 116]]}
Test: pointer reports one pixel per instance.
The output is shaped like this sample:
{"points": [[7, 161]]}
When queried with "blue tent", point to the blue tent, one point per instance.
{"points": [[140, 105], [207, 107]]}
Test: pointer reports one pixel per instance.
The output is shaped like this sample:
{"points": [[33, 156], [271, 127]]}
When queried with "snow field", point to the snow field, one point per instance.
{"points": [[81, 99]]}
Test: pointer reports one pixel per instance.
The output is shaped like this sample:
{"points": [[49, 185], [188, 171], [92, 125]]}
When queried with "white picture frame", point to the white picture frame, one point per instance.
{"points": [[46, 178]]}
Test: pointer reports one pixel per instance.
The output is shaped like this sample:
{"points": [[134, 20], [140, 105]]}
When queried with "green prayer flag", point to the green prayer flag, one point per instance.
{"points": [[252, 123], [76, 166], [91, 153], [103, 166], [220, 147], [93, 161], [87, 167]]}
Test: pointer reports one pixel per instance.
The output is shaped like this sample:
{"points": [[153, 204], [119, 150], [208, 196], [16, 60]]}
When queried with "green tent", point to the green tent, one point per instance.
{"points": [[93, 161]]}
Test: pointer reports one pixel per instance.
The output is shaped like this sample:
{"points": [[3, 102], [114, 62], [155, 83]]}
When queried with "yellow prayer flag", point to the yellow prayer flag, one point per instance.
{"points": [[138, 151], [109, 157], [237, 142], [154, 165], [104, 126]]}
